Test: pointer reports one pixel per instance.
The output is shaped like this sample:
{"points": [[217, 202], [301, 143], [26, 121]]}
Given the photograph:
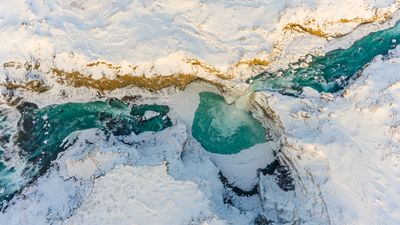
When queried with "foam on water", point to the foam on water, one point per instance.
{"points": [[243, 101]]}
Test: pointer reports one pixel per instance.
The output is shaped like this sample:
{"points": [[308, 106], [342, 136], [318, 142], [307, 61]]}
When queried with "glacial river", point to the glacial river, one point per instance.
{"points": [[219, 127]]}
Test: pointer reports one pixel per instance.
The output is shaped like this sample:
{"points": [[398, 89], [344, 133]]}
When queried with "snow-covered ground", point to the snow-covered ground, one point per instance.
{"points": [[144, 181], [349, 144], [171, 37], [342, 149]]}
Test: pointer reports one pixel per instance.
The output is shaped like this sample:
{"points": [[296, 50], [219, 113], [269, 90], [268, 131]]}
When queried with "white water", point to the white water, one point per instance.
{"points": [[227, 121], [243, 102]]}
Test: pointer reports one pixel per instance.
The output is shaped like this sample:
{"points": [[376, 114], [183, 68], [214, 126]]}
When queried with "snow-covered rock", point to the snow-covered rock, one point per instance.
{"points": [[342, 149], [347, 147], [163, 37]]}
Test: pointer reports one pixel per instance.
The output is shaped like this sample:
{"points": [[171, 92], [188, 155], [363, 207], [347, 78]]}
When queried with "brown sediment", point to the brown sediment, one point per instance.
{"points": [[194, 62], [35, 85], [316, 30], [120, 80], [108, 65], [210, 69], [77, 79], [360, 21], [12, 64], [17, 65], [254, 62], [306, 29], [153, 83]]}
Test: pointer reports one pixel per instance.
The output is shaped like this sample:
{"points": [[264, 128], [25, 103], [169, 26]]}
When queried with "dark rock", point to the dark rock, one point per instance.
{"points": [[262, 220]]}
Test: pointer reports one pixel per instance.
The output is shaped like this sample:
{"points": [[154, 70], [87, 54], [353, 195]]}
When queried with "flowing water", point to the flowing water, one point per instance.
{"points": [[219, 127], [332, 71], [41, 134], [228, 129]]}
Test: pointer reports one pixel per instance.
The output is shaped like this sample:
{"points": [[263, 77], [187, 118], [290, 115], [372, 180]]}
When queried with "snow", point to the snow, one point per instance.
{"points": [[342, 149], [348, 145], [150, 114], [144, 199], [241, 169], [158, 37], [138, 179]]}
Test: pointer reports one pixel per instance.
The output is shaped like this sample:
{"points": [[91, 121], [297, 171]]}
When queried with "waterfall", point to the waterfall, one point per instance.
{"points": [[243, 102]]}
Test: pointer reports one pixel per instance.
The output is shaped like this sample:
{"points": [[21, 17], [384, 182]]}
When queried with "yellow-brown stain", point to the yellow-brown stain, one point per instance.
{"points": [[209, 69], [254, 62], [108, 65], [12, 64], [316, 30], [310, 30], [120, 80], [153, 83], [35, 86]]}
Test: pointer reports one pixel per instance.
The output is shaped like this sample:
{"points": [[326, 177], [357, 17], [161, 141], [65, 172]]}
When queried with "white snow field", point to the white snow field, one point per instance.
{"points": [[342, 150], [159, 37]]}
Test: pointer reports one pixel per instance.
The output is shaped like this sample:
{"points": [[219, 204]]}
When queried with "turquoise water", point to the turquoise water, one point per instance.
{"points": [[219, 127], [42, 132], [223, 128], [331, 72]]}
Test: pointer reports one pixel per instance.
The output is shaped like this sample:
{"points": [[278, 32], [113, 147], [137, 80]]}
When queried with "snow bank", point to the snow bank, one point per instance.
{"points": [[142, 195], [345, 147], [162, 37]]}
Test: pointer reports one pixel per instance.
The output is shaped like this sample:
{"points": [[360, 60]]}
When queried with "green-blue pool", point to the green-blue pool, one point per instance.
{"points": [[219, 127], [223, 128]]}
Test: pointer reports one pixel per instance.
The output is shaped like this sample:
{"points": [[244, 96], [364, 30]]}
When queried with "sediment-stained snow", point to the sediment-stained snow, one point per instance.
{"points": [[157, 37], [343, 148]]}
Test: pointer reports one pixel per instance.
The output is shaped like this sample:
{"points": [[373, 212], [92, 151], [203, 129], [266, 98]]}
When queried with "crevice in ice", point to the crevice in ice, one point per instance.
{"points": [[237, 190], [282, 173]]}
